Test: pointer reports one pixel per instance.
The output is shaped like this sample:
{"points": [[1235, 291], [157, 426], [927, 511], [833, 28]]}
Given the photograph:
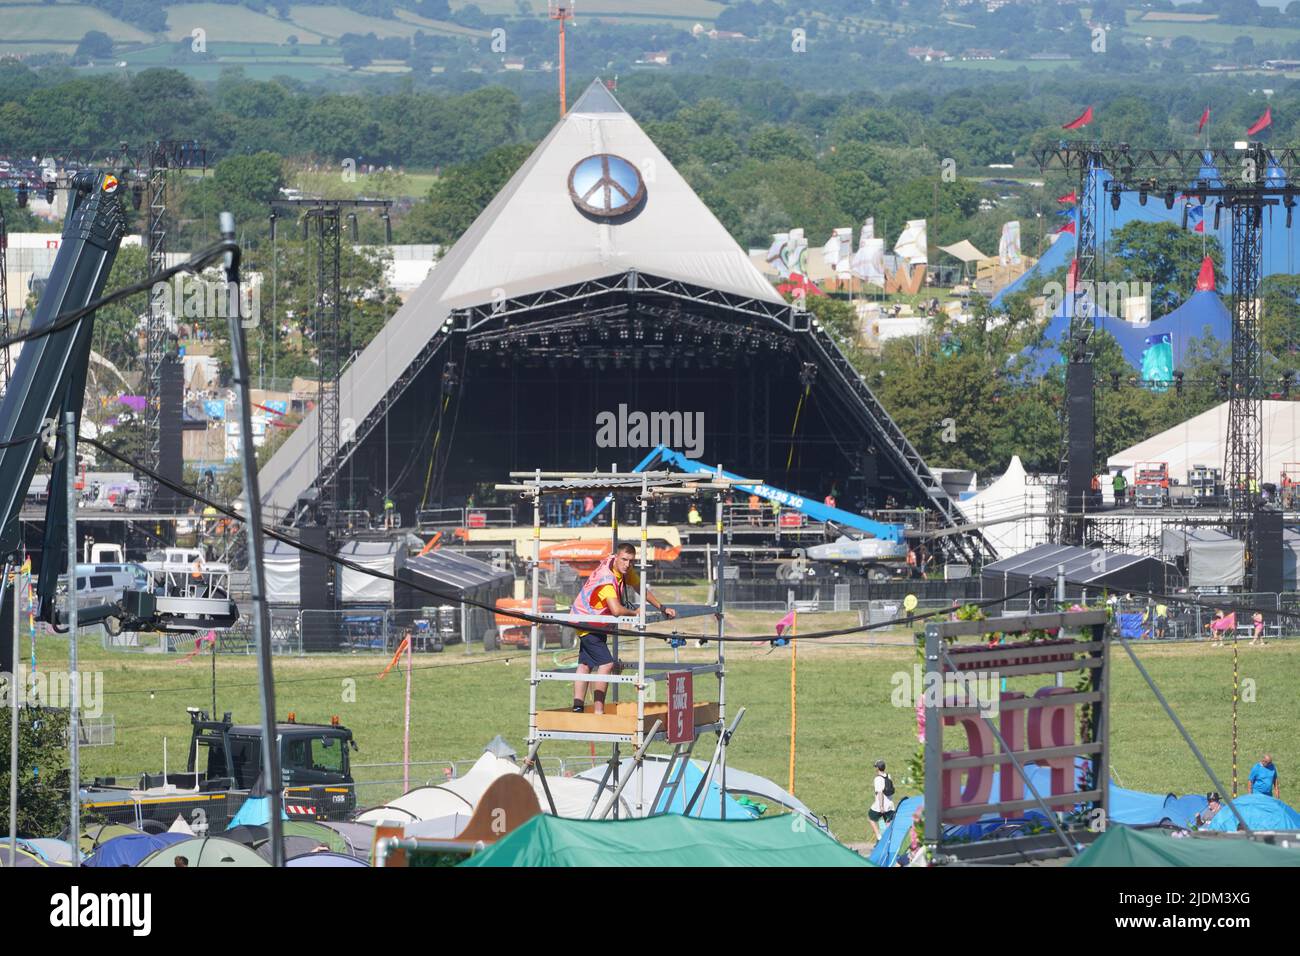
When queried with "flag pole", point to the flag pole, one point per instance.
{"points": [[406, 735], [794, 714]]}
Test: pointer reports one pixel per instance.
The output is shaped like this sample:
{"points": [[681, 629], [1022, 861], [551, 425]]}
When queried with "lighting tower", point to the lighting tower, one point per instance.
{"points": [[561, 10]]}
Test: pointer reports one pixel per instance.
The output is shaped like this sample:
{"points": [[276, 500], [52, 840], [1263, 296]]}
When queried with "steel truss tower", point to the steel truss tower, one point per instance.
{"points": [[163, 157], [5, 330], [1245, 180], [322, 222]]}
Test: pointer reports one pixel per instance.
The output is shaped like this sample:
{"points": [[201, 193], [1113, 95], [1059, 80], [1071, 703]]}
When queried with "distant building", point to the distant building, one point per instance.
{"points": [[977, 53], [1282, 64], [726, 35], [927, 54], [656, 58], [512, 63]]}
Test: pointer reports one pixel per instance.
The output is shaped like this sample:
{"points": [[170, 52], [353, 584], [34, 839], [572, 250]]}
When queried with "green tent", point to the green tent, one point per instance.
{"points": [[205, 852], [1122, 846], [667, 840]]}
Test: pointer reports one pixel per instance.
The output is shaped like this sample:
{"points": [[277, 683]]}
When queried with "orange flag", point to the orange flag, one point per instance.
{"points": [[401, 649]]}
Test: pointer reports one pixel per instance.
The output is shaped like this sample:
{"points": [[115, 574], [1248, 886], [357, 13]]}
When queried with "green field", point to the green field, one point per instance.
{"points": [[703, 10], [1216, 33], [846, 720], [63, 21], [332, 186]]}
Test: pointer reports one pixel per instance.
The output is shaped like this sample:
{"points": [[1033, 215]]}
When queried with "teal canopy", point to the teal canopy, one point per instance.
{"points": [[667, 840], [1123, 846]]}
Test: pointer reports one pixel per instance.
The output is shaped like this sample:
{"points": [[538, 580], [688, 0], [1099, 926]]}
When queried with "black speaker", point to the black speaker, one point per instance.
{"points": [[1268, 552], [1081, 435], [319, 631], [171, 451], [7, 631]]}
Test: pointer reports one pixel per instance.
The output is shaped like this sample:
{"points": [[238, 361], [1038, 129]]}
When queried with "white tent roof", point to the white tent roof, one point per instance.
{"points": [[1013, 508], [964, 250], [1202, 440], [530, 238]]}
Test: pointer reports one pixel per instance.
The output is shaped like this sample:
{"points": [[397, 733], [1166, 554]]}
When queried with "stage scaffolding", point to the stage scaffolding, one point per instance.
{"points": [[622, 724]]}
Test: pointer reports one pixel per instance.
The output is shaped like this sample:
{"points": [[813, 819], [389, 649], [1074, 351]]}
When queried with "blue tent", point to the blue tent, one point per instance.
{"points": [[131, 848], [1202, 316], [256, 811], [1260, 812], [1127, 807], [1278, 250]]}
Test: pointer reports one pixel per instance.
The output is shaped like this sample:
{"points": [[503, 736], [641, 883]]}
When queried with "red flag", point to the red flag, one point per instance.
{"points": [[1262, 122], [1068, 227], [1072, 277], [1205, 281], [1205, 118], [1071, 197], [1083, 120]]}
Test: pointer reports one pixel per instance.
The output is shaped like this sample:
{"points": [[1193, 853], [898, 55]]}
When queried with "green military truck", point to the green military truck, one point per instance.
{"points": [[224, 766]]}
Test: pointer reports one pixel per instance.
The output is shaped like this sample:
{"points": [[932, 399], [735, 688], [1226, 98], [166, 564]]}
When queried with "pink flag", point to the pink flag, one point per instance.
{"points": [[785, 624], [1228, 623]]}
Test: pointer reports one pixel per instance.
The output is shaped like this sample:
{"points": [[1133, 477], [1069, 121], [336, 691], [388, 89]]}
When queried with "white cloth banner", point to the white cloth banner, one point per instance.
{"points": [[838, 252], [869, 261], [1009, 244], [912, 244]]}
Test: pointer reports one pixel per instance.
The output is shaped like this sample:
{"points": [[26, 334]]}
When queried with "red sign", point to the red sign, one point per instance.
{"points": [[681, 708], [477, 519]]}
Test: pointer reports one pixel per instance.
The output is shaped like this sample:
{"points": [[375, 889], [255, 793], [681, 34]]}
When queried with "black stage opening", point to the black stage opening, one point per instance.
{"points": [[524, 392]]}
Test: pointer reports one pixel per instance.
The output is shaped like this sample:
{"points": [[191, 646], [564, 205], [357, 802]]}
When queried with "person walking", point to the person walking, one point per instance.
{"points": [[1257, 630], [882, 804]]}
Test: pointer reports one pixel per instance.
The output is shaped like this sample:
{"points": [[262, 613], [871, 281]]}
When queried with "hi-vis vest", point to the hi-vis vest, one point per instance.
{"points": [[604, 574]]}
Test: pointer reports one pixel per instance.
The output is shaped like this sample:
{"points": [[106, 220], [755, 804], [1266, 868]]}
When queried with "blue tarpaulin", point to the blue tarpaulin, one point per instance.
{"points": [[1260, 812], [129, 849]]}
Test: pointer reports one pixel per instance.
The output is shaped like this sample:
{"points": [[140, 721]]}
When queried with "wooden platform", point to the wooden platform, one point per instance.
{"points": [[618, 718]]}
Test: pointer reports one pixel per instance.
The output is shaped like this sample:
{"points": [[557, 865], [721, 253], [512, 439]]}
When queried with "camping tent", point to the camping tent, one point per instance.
{"points": [[706, 806], [205, 852], [460, 795], [324, 859], [131, 848], [1122, 846], [1260, 811], [667, 840], [255, 812]]}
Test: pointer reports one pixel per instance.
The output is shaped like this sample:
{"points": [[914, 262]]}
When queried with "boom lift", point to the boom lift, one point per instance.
{"points": [[880, 541], [48, 383]]}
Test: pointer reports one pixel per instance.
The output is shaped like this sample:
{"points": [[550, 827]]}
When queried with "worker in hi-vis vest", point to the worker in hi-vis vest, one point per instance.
{"points": [[605, 592]]}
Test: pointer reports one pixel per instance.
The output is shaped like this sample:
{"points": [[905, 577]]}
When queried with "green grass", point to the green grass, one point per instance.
{"points": [[846, 720], [63, 22]]}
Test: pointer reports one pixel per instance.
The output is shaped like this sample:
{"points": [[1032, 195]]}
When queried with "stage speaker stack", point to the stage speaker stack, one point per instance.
{"points": [[170, 441], [1268, 551], [1080, 438], [320, 630]]}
